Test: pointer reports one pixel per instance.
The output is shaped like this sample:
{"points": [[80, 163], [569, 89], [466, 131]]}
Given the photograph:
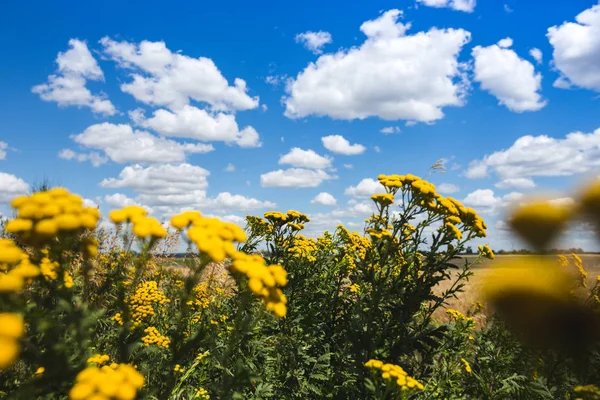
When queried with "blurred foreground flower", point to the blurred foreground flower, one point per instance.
{"points": [[533, 295]]}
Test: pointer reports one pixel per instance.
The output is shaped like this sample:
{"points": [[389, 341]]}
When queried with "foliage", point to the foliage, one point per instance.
{"points": [[91, 313]]}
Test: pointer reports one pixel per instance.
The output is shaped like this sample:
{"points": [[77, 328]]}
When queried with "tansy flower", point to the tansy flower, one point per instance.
{"points": [[11, 330], [395, 373], [467, 366], [118, 381], [539, 222]]}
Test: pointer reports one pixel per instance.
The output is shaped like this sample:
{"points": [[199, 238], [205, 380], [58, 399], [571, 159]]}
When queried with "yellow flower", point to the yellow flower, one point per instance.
{"points": [[395, 373], [11, 330], [384, 199], [40, 371], [467, 366], [18, 225], [119, 381], [539, 222], [485, 251]]}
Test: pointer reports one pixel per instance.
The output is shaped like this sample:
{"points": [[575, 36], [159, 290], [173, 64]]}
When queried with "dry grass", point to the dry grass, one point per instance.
{"points": [[591, 263]]}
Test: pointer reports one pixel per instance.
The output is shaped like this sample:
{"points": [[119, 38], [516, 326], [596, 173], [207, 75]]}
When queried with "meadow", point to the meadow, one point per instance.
{"points": [[392, 312]]}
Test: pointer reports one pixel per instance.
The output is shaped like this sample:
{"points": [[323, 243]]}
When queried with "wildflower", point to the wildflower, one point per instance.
{"points": [[153, 336], [40, 371], [468, 369], [263, 280], [453, 230], [562, 260], [11, 330], [276, 217], [215, 238], [201, 394], [384, 199], [118, 381], [185, 219], [539, 222], [141, 302], [98, 359], [582, 272], [354, 288], [178, 368], [395, 373], [533, 296], [485, 251]]}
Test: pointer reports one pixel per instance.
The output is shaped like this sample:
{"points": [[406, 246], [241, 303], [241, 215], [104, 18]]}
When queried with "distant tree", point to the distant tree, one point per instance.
{"points": [[469, 250]]}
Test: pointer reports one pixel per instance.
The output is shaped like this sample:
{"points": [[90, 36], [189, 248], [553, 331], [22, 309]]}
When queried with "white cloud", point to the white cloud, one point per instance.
{"points": [[119, 200], [122, 144], [305, 159], [3, 147], [195, 123], [96, 159], [391, 75], [325, 199], [576, 51], [507, 8], [314, 41], [458, 5], [516, 183], [536, 54], [486, 202], [230, 167], [276, 80], [511, 79], [338, 144], [294, 177], [11, 187], [377, 149], [390, 129], [171, 188], [448, 188], [348, 166], [67, 86], [541, 155], [163, 78], [365, 188]]}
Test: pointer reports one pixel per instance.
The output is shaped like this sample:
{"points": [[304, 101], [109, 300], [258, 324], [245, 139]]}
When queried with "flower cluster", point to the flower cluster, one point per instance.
{"points": [[383, 200], [117, 381], [43, 215], [11, 330], [458, 316], [98, 359], [212, 237], [143, 226], [394, 373], [201, 394], [153, 336], [355, 243], [141, 303], [582, 272], [539, 222], [303, 247], [379, 233], [354, 288], [258, 226], [485, 251], [15, 268], [295, 220], [264, 281]]}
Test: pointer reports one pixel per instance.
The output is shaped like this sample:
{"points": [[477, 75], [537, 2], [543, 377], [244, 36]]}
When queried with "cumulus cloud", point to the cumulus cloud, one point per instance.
{"points": [[392, 75], [170, 188], [458, 5], [276, 80], [448, 188], [295, 177], [516, 183], [305, 159], [576, 50], [325, 199], [542, 155], [122, 144], [11, 186], [230, 167], [67, 86], [509, 78], [314, 41], [388, 130], [194, 123], [365, 188], [96, 159], [486, 202], [119, 200], [161, 77], [340, 145]]}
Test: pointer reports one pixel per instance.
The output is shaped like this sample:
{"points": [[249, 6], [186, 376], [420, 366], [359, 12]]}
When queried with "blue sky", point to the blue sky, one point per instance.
{"points": [[138, 103]]}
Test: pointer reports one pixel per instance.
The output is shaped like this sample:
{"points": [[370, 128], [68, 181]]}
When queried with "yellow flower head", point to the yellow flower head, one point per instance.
{"points": [[539, 222]]}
